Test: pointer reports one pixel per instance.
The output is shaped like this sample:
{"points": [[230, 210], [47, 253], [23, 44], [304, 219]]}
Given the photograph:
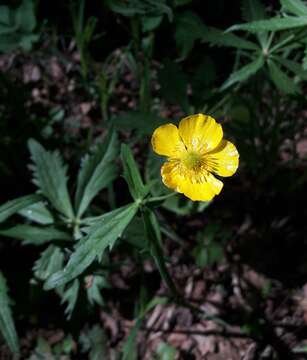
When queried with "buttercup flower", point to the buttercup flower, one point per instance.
{"points": [[195, 151]]}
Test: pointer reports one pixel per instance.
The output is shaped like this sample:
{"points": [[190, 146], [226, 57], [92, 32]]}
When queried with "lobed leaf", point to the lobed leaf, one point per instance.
{"points": [[50, 261], [293, 66], [220, 38], [50, 176], [273, 24], [13, 206], [189, 28], [70, 296], [97, 171], [35, 235], [244, 73], [38, 213], [94, 244], [132, 175], [281, 80]]}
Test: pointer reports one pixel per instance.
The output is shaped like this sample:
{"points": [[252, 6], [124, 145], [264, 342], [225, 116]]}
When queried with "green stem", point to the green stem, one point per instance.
{"points": [[157, 252], [161, 198]]}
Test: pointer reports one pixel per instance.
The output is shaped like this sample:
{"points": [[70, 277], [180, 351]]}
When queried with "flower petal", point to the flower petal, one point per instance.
{"points": [[171, 175], [166, 141], [200, 133], [224, 160], [190, 186]]}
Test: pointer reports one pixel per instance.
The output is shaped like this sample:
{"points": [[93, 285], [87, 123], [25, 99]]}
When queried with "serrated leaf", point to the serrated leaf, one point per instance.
{"points": [[281, 80], [296, 7], [273, 24], [38, 213], [50, 176], [244, 73], [13, 206], [173, 84], [189, 28], [94, 244], [50, 261], [132, 175], [221, 38], [93, 290], [70, 296], [97, 171], [35, 235], [7, 327]]}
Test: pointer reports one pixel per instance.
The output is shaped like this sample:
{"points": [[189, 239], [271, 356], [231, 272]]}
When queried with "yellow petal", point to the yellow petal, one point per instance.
{"points": [[174, 177], [200, 133], [224, 160], [197, 192], [171, 175], [166, 141]]}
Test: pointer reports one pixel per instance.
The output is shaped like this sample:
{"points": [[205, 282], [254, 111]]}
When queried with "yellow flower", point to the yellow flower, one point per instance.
{"points": [[195, 152]]}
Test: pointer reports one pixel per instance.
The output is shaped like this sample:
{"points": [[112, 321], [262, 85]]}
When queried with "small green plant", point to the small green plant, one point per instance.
{"points": [[17, 27]]}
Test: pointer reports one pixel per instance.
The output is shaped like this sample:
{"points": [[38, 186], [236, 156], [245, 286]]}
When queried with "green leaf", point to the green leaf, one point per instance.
{"points": [[166, 352], [94, 244], [132, 175], [149, 23], [70, 296], [244, 73], [132, 8], [97, 171], [50, 261], [153, 235], [143, 123], [25, 17], [273, 24], [35, 235], [11, 207], [93, 290], [296, 7], [281, 80], [95, 342], [253, 10], [7, 327], [220, 38], [5, 16], [38, 213], [50, 177], [293, 66], [189, 28], [173, 84]]}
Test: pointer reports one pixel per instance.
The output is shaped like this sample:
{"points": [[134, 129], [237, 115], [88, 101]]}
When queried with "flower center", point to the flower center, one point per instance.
{"points": [[193, 161]]}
